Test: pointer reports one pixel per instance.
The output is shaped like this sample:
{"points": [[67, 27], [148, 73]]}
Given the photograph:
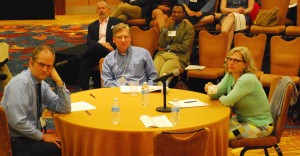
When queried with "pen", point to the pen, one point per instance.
{"points": [[189, 101], [87, 112], [93, 96]]}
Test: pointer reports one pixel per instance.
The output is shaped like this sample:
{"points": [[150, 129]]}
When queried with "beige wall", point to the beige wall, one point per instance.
{"points": [[85, 6]]}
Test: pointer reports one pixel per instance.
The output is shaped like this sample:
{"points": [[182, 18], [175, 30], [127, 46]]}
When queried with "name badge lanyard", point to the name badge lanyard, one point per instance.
{"points": [[125, 67]]}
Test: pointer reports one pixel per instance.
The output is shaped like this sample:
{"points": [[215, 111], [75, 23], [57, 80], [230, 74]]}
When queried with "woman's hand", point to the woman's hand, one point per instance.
{"points": [[240, 10], [206, 86]]}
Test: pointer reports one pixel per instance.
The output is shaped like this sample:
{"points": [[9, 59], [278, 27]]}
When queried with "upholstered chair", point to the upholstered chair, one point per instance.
{"points": [[140, 22], [100, 69], [212, 52], [274, 139], [147, 39], [280, 27], [284, 60], [256, 46], [5, 147], [189, 143], [293, 31]]}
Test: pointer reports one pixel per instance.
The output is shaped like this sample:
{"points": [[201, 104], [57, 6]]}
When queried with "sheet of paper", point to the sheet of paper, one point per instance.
{"points": [[162, 121], [126, 89], [82, 105], [189, 103], [194, 67], [156, 121]]}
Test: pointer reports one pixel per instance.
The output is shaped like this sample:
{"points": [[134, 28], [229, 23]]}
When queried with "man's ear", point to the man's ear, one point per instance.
{"points": [[30, 62]]}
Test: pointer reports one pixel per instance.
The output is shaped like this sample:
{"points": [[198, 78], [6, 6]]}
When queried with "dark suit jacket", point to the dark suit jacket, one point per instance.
{"points": [[93, 31]]}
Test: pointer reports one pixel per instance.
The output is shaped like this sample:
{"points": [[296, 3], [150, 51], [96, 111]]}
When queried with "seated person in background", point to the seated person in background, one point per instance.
{"points": [[199, 12], [133, 9], [24, 99], [227, 19], [292, 12], [241, 90], [162, 12], [99, 40], [127, 63], [175, 43]]}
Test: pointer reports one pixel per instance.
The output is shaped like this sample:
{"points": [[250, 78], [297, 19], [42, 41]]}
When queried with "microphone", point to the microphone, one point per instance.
{"points": [[165, 77]]}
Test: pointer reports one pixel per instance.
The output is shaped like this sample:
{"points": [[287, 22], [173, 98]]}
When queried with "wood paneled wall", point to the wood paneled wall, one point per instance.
{"points": [[82, 6]]}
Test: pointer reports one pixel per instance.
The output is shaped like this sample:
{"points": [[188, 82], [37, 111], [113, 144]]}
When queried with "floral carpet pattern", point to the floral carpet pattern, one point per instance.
{"points": [[23, 39]]}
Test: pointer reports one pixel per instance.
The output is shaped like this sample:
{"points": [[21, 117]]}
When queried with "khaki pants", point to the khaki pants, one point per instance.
{"points": [[166, 63], [126, 12]]}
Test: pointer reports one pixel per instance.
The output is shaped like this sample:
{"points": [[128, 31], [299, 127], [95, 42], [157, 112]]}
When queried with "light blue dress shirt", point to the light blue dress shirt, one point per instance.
{"points": [[136, 65], [20, 104]]}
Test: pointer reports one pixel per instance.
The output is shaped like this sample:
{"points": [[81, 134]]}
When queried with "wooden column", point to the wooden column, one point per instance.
{"points": [[60, 7]]}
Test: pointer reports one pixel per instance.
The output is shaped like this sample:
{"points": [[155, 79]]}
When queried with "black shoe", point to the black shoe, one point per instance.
{"points": [[3, 76], [61, 63]]}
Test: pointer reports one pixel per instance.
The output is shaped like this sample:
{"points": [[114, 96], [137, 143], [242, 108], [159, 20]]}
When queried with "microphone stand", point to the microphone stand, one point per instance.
{"points": [[164, 108]]}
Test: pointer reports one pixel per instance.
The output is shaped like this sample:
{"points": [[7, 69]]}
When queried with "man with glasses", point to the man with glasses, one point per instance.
{"points": [[127, 63], [99, 40], [24, 99]]}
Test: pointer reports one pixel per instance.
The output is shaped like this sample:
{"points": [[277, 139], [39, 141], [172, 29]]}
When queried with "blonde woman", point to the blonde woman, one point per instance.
{"points": [[241, 90]]}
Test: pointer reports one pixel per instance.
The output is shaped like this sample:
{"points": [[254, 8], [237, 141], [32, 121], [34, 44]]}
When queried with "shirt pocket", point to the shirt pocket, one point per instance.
{"points": [[136, 68]]}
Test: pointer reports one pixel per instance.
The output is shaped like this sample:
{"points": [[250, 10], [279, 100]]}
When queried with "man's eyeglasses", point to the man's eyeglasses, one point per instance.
{"points": [[121, 37], [42, 65], [228, 60]]}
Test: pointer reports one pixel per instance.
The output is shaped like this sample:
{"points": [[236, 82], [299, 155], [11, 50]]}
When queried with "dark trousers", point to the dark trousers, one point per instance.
{"points": [[22, 146], [88, 61]]}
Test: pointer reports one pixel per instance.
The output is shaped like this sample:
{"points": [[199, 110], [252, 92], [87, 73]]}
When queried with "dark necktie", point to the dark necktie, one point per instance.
{"points": [[39, 102]]}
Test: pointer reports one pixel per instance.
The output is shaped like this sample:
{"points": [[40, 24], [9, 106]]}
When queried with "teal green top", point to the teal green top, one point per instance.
{"points": [[248, 98]]}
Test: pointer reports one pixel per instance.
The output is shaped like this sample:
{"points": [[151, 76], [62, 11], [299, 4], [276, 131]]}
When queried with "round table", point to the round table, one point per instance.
{"points": [[87, 135]]}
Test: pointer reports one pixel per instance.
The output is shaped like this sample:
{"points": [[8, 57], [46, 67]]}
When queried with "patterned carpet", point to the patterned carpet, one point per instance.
{"points": [[23, 39], [70, 30]]}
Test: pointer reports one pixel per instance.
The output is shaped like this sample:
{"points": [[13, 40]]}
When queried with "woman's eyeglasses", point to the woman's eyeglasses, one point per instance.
{"points": [[228, 60]]}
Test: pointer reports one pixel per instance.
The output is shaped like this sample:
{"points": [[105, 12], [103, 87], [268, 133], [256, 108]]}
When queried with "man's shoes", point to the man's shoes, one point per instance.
{"points": [[3, 76], [61, 63]]}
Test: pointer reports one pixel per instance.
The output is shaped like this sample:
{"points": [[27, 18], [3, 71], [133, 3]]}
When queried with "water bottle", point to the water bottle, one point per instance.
{"points": [[91, 83], [115, 109], [175, 112], [145, 94]]}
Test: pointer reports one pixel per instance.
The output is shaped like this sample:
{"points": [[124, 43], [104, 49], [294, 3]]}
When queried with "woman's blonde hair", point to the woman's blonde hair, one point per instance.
{"points": [[247, 58]]}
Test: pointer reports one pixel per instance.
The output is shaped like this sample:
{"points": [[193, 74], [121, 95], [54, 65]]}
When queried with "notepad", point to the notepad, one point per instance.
{"points": [[80, 106], [189, 103], [155, 121], [194, 67]]}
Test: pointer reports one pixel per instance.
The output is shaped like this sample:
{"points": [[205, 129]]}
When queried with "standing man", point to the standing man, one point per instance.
{"points": [[127, 63], [24, 99], [99, 40], [175, 43]]}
